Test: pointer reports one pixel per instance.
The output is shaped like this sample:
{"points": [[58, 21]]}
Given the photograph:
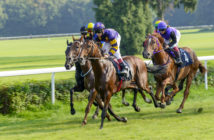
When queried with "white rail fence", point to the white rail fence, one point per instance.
{"points": [[62, 69]]}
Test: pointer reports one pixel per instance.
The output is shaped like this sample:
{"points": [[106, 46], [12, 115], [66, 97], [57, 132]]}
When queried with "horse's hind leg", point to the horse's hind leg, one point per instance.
{"points": [[186, 92], [137, 109], [123, 99], [147, 100]]}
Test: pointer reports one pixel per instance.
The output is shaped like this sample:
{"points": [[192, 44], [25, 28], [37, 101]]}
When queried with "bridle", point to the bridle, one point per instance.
{"points": [[156, 50]]}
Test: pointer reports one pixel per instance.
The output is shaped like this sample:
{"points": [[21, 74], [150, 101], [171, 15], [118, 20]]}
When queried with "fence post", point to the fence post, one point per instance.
{"points": [[205, 76], [53, 88]]}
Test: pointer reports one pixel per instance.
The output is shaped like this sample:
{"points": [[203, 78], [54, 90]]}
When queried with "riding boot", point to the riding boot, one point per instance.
{"points": [[124, 68], [178, 57]]}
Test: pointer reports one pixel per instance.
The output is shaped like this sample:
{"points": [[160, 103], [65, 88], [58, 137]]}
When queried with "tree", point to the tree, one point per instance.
{"points": [[130, 18], [160, 6]]}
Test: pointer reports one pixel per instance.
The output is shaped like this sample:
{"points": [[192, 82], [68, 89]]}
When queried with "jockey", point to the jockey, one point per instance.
{"points": [[111, 39], [83, 32], [171, 38], [90, 30], [156, 26]]}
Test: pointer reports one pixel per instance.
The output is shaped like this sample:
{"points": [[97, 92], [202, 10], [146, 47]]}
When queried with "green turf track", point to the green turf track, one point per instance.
{"points": [[148, 124]]}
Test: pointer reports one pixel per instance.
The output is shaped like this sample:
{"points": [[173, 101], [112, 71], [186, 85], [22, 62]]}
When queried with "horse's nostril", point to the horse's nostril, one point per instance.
{"points": [[148, 54]]}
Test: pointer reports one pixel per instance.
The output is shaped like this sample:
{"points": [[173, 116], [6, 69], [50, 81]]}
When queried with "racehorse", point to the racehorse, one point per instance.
{"points": [[153, 49], [72, 52], [71, 55], [106, 79]]}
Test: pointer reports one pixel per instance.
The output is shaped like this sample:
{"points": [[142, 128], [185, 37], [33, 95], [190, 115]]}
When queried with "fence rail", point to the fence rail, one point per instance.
{"points": [[62, 69], [39, 36]]}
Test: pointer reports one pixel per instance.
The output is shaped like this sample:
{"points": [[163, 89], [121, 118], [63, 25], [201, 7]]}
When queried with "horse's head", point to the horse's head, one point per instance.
{"points": [[89, 49], [72, 52], [152, 44]]}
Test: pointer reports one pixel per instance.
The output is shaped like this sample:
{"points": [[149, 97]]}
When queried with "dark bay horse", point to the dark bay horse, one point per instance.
{"points": [[106, 79], [71, 56], [154, 50], [72, 52]]}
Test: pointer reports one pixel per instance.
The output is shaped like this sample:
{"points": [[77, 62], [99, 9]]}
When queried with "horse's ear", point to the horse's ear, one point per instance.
{"points": [[73, 38], [81, 39], [67, 42]]}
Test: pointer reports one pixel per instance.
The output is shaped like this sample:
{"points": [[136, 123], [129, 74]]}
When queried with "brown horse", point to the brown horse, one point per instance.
{"points": [[71, 57], [72, 52], [106, 79], [153, 49]]}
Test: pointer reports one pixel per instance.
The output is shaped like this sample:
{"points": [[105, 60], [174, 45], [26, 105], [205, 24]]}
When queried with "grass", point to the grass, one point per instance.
{"points": [[149, 123], [49, 52]]}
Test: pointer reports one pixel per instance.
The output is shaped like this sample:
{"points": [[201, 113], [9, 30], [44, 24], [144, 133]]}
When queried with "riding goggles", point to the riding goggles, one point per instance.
{"points": [[161, 30]]}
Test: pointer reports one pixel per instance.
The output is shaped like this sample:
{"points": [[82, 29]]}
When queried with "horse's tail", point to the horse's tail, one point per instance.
{"points": [[202, 68], [156, 69]]}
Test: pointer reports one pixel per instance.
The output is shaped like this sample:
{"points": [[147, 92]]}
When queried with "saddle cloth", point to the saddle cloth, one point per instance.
{"points": [[118, 69], [185, 57]]}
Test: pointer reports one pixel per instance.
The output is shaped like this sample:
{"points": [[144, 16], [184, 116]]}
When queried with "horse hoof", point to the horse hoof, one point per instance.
{"points": [[179, 110], [124, 119], [137, 109], [126, 103], [73, 111], [162, 105], [94, 116], [168, 102], [148, 101], [84, 123]]}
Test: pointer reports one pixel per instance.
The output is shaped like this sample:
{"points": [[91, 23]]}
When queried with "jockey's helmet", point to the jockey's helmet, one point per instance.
{"points": [[157, 22], [83, 30], [162, 26], [90, 27], [98, 27]]}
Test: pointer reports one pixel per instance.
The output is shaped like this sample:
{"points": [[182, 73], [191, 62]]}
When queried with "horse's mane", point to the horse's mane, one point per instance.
{"points": [[160, 38]]}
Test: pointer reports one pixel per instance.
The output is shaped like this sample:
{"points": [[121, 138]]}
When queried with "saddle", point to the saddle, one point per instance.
{"points": [[185, 57], [118, 69]]}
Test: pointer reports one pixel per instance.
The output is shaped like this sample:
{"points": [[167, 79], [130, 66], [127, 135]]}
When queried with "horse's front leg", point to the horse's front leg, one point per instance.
{"points": [[158, 90], [92, 96], [163, 86], [77, 88], [171, 94], [106, 98]]}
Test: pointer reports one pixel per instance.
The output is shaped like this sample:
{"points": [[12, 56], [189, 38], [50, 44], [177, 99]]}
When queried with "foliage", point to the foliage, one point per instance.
{"points": [[24, 17], [33, 94], [131, 19], [203, 15], [160, 6]]}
